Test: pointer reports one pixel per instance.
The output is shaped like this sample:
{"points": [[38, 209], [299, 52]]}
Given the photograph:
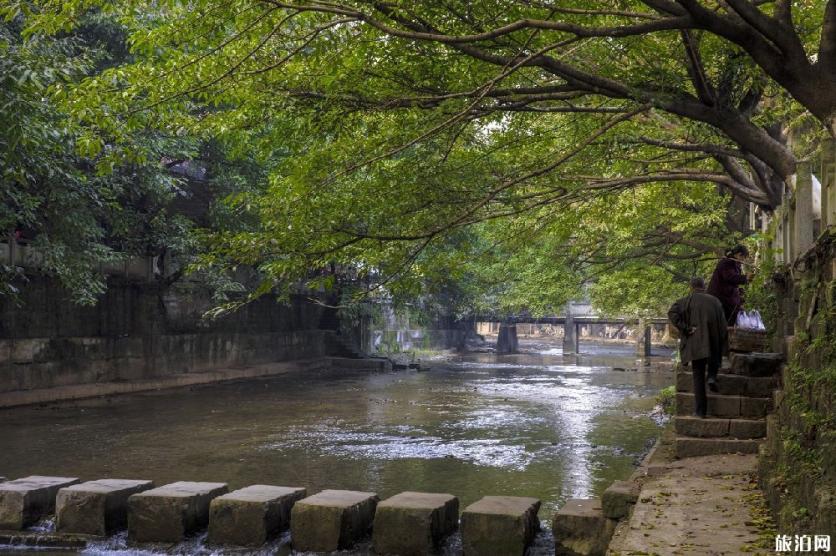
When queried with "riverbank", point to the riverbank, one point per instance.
{"points": [[699, 505]]}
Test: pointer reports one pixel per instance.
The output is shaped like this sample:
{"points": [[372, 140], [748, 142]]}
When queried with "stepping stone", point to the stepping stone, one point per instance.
{"points": [[171, 512], [331, 520], [25, 501], [414, 523], [251, 516], [96, 507], [499, 525], [619, 498], [580, 527], [687, 447]]}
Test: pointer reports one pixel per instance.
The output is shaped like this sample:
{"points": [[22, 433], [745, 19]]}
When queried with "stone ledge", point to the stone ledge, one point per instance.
{"points": [[93, 390], [619, 498]]}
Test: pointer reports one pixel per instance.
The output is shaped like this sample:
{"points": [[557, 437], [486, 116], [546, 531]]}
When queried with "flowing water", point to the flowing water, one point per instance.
{"points": [[532, 424]]}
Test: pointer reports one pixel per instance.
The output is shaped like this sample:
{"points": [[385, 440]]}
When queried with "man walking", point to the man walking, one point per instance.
{"points": [[701, 322]]}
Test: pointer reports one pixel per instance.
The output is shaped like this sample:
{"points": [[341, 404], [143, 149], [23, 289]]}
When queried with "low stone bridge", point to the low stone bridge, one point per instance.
{"points": [[571, 322]]}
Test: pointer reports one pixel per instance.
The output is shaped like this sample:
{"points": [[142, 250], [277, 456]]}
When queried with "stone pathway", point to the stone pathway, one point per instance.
{"points": [[704, 505]]}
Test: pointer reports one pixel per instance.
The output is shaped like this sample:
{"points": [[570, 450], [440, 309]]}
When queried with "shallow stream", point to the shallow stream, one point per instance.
{"points": [[533, 424]]}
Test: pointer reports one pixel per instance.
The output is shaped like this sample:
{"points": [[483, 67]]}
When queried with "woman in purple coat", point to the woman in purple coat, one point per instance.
{"points": [[726, 281]]}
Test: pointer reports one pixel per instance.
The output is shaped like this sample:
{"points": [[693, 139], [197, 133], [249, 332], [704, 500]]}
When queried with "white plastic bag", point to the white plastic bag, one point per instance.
{"points": [[750, 320]]}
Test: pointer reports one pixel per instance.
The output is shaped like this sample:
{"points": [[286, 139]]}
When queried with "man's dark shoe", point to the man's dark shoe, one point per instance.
{"points": [[712, 385]]}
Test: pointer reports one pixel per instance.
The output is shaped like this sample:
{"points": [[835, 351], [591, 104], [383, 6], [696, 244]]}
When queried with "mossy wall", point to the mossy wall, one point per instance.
{"points": [[798, 460]]}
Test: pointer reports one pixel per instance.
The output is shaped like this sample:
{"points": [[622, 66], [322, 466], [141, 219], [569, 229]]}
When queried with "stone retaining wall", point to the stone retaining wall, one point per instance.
{"points": [[142, 331]]}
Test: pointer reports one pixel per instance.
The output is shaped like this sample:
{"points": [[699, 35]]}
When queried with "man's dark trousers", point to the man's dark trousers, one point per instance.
{"points": [[698, 368]]}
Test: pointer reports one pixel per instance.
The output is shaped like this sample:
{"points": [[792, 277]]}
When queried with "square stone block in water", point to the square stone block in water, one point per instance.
{"points": [[96, 507], [331, 520], [580, 527], [25, 501], [414, 523], [499, 525], [251, 516], [171, 512]]}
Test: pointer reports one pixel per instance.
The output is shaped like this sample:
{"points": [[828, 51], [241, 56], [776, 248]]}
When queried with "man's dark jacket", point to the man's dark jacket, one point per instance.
{"points": [[703, 312], [726, 281]]}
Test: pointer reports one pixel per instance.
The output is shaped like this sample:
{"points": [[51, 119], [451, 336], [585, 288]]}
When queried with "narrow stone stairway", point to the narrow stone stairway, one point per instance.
{"points": [[736, 421]]}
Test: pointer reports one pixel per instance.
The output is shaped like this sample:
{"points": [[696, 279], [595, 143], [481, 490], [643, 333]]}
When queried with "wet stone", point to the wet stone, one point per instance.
{"points": [[499, 525], [581, 528], [331, 520], [25, 501], [619, 498], [251, 516], [414, 523], [171, 512], [96, 507]]}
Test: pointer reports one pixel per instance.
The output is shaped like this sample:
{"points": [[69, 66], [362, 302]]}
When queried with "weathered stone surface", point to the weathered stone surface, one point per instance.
{"points": [[687, 447], [756, 364], [619, 498], [25, 501], [414, 523], [732, 385], [251, 516], [499, 525], [755, 407], [96, 507], [747, 428], [331, 520], [580, 528], [171, 512], [718, 406], [704, 428]]}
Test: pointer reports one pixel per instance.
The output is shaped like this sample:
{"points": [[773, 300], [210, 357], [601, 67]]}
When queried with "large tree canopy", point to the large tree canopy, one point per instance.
{"points": [[402, 124]]}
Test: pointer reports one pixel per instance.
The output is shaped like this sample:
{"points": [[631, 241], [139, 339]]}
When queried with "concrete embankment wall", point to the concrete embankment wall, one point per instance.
{"points": [[140, 331]]}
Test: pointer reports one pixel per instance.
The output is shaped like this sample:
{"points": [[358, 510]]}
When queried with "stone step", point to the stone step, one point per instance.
{"points": [[720, 428], [687, 446], [755, 364], [730, 407], [732, 385]]}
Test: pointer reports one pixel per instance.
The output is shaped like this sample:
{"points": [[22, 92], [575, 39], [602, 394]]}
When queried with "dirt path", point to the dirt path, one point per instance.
{"points": [[704, 505]]}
